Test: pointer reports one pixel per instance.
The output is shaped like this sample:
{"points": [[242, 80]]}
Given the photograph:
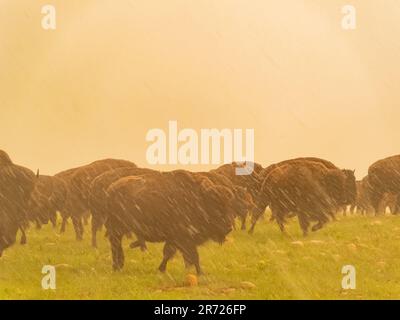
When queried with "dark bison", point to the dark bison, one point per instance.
{"points": [[180, 208], [384, 177], [308, 189], [66, 177], [251, 182], [262, 202], [16, 186], [98, 195], [78, 183], [48, 197], [362, 202]]}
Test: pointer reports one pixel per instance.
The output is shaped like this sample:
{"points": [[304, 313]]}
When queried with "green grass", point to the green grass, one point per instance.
{"points": [[279, 266]]}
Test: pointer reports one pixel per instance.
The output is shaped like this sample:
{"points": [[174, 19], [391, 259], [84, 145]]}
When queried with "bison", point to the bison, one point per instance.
{"points": [[16, 186], [180, 208], [308, 189], [48, 197], [97, 200], [384, 177], [362, 202], [98, 195], [263, 202], [78, 183], [251, 182]]}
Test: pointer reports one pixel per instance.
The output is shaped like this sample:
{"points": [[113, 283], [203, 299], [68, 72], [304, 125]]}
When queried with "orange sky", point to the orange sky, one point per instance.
{"points": [[115, 69]]}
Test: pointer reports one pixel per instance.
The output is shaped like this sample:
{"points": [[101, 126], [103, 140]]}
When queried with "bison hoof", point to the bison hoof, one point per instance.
{"points": [[117, 268]]}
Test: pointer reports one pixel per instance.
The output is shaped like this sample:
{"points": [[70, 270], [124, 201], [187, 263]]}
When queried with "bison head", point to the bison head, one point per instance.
{"points": [[219, 200]]}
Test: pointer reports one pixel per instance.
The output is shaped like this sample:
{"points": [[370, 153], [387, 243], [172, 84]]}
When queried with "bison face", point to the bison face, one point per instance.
{"points": [[219, 201]]}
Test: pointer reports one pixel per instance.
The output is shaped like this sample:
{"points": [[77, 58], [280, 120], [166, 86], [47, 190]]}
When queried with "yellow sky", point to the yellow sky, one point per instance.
{"points": [[115, 69]]}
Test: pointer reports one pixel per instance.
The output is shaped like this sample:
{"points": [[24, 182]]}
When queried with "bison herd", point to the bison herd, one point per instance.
{"points": [[184, 209]]}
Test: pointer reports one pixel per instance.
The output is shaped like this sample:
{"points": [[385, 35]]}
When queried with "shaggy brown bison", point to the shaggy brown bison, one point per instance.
{"points": [[78, 183], [263, 202], [384, 177], [48, 197], [16, 186], [308, 189], [362, 204], [98, 195], [251, 182], [180, 208]]}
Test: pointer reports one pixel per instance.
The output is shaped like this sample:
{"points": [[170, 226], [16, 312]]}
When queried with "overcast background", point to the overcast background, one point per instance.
{"points": [[115, 69]]}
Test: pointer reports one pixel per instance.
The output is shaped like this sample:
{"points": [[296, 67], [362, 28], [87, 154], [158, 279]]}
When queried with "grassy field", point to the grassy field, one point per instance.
{"points": [[266, 265]]}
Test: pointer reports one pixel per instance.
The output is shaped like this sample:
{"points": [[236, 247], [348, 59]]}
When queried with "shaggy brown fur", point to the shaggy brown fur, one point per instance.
{"points": [[262, 202], [308, 189], [78, 183], [180, 208], [384, 177], [252, 182], [16, 186]]}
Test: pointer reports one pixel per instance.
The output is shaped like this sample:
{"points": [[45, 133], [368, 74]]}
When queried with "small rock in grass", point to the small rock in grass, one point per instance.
{"points": [[298, 243], [317, 242], [381, 263], [247, 285], [191, 280], [228, 290], [376, 223], [352, 246]]}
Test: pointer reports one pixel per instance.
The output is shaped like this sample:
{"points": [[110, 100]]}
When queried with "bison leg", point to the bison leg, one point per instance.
{"points": [[322, 219], [332, 215], [86, 218], [117, 251], [279, 217], [243, 219], [304, 223], [169, 251], [53, 220], [38, 225], [376, 203], [63, 224], [78, 226], [139, 243], [23, 236], [255, 216], [191, 257], [344, 210], [96, 225]]}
